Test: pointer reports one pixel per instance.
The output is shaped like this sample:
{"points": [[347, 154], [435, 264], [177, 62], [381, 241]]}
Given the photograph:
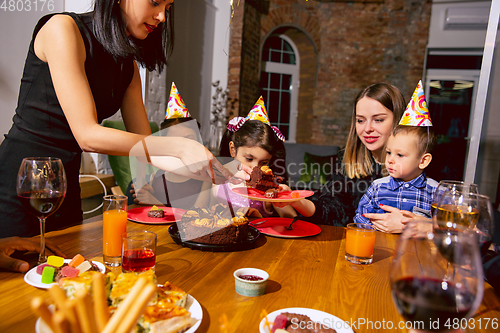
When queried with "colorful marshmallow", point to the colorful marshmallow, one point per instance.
{"points": [[55, 261], [77, 260], [48, 274], [84, 266]]}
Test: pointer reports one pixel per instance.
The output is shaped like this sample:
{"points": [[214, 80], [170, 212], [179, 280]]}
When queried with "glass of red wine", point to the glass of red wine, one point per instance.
{"points": [[424, 294], [41, 187], [138, 251]]}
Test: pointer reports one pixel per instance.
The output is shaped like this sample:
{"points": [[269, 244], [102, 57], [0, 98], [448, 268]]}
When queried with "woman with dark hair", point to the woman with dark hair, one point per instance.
{"points": [[376, 112], [80, 69]]}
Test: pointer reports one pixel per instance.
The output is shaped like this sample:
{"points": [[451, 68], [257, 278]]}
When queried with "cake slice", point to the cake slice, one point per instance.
{"points": [[263, 179]]}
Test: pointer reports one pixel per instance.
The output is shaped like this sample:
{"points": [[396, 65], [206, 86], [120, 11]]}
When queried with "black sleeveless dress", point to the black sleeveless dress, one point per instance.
{"points": [[41, 129]]}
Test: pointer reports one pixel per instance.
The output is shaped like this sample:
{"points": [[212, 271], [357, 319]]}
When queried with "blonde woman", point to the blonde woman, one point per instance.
{"points": [[376, 112]]}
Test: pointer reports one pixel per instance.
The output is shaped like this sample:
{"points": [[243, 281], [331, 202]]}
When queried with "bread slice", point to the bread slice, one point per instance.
{"points": [[124, 283], [165, 317]]}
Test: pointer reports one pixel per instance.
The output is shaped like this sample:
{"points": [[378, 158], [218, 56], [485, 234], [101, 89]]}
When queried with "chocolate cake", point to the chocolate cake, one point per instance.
{"points": [[271, 193], [213, 226], [156, 212], [263, 179]]}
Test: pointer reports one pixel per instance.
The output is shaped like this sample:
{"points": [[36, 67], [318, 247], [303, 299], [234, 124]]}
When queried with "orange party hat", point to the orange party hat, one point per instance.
{"points": [[416, 113], [176, 107]]}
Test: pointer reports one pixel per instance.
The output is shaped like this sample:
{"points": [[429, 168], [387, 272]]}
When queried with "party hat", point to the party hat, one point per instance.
{"points": [[416, 113], [176, 107], [258, 112]]}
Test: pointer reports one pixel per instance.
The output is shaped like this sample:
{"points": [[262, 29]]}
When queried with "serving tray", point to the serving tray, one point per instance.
{"points": [[249, 243]]}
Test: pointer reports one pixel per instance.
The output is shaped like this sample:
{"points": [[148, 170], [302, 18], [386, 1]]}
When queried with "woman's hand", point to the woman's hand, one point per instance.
{"points": [[200, 161], [145, 195], [390, 222], [11, 244]]}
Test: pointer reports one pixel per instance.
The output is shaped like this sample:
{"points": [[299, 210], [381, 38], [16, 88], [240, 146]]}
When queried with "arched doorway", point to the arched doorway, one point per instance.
{"points": [[279, 83]]}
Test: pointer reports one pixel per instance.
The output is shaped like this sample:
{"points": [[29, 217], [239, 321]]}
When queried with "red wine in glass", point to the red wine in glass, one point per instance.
{"points": [[430, 303], [423, 291], [41, 188], [138, 260], [41, 203]]}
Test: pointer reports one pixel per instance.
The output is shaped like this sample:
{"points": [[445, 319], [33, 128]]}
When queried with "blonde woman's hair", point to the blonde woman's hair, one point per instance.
{"points": [[357, 158]]}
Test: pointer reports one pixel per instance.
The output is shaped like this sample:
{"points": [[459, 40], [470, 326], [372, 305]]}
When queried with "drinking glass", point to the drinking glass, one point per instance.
{"points": [[422, 292], [138, 251], [114, 224], [359, 243], [450, 186], [471, 210], [41, 187]]}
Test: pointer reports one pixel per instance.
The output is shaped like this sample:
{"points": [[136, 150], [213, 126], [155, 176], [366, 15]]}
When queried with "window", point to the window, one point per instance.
{"points": [[279, 82]]}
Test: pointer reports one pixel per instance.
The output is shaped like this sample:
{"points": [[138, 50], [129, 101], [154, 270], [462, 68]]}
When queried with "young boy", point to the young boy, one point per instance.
{"points": [[407, 188]]}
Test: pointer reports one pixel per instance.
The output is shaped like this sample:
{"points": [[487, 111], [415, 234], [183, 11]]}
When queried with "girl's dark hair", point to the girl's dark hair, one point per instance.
{"points": [[254, 133], [109, 29]]}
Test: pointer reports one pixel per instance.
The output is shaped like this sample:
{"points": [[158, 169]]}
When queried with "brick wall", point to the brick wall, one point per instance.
{"points": [[344, 46]]}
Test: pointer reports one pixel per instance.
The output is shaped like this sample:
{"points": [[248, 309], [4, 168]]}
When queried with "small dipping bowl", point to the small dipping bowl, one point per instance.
{"points": [[250, 287]]}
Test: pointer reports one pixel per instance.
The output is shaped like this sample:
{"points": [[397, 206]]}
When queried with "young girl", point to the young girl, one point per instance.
{"points": [[253, 142]]}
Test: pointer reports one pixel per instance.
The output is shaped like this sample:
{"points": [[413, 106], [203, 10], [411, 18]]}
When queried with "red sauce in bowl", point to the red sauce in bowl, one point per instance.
{"points": [[251, 277]]}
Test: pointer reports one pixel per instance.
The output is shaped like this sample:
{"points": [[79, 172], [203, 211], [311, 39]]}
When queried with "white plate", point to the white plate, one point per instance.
{"points": [[36, 280], [192, 306], [324, 318]]}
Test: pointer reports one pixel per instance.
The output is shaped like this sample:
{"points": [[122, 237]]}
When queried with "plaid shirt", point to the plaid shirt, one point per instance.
{"points": [[414, 196]]}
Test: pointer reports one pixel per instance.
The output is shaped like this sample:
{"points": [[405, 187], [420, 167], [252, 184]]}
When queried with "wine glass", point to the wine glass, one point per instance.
{"points": [[471, 210], [41, 187], [450, 186], [421, 290]]}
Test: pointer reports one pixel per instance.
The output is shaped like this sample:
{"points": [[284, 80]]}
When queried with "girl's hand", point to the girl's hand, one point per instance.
{"points": [[242, 175], [283, 187], [390, 222], [252, 212]]}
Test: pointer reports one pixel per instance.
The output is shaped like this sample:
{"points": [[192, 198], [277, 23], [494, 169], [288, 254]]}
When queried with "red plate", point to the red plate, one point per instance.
{"points": [[283, 196], [140, 214], [275, 226]]}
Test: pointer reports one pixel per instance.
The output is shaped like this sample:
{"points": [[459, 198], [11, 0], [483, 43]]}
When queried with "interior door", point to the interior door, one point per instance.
{"points": [[450, 96]]}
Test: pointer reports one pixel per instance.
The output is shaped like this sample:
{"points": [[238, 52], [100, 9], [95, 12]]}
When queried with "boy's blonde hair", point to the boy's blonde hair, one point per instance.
{"points": [[426, 140]]}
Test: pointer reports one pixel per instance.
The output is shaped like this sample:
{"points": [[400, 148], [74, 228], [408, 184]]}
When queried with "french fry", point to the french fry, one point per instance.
{"points": [[101, 309], [137, 309], [124, 307], [61, 302], [72, 316], [61, 323], [85, 312], [40, 308]]}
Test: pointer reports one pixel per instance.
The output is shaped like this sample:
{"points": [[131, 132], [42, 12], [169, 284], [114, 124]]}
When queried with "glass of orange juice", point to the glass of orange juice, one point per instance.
{"points": [[114, 224], [359, 243]]}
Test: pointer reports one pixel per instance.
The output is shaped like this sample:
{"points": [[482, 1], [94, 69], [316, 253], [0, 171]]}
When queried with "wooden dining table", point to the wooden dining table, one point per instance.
{"points": [[308, 272]]}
